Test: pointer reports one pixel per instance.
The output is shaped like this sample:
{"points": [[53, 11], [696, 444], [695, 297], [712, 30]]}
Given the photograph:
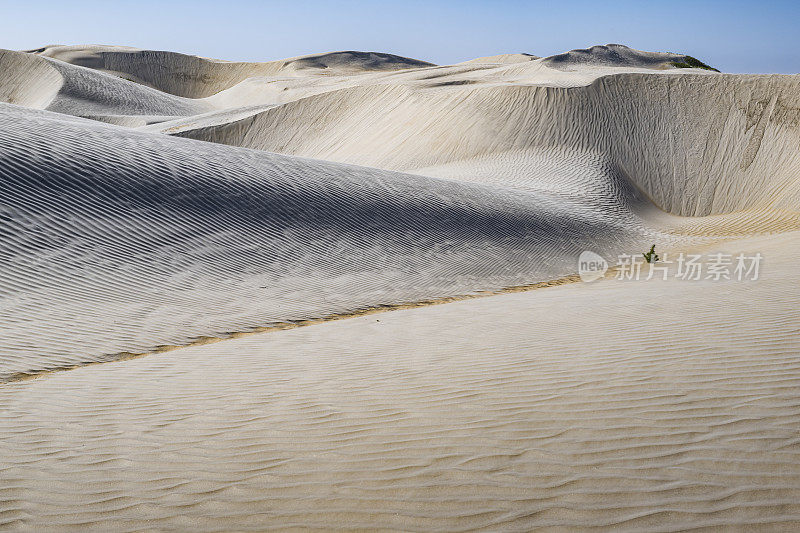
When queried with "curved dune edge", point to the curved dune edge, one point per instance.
{"points": [[124, 356], [143, 239], [379, 309], [199, 77]]}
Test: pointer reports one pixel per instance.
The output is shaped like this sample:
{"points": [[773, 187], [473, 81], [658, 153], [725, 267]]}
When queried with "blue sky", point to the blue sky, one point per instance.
{"points": [[735, 36]]}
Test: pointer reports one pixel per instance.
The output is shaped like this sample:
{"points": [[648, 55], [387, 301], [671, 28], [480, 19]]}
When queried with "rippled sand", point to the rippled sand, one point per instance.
{"points": [[341, 185]]}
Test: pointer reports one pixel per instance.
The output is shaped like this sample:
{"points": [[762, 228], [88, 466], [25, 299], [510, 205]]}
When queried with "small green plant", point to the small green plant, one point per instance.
{"points": [[651, 256], [692, 62]]}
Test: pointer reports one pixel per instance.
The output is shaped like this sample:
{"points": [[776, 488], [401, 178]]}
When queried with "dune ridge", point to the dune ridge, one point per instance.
{"points": [[197, 77], [649, 125], [619, 55]]}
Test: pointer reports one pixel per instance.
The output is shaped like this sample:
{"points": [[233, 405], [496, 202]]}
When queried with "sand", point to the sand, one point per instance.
{"points": [[152, 200], [611, 404]]}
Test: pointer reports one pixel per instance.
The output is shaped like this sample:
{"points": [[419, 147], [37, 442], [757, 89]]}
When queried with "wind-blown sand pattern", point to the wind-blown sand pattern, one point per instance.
{"points": [[342, 182]]}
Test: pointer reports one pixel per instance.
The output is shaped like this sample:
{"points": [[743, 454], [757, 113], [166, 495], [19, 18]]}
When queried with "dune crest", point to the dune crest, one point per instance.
{"points": [[197, 77], [619, 55]]}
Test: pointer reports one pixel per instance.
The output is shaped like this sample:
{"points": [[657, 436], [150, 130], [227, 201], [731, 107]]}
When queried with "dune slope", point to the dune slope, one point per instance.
{"points": [[694, 155], [42, 83], [120, 241]]}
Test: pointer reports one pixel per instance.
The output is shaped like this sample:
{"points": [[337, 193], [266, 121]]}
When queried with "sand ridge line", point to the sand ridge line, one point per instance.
{"points": [[201, 341]]}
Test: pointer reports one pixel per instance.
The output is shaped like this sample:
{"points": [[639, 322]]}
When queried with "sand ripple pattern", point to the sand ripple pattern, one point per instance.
{"points": [[641, 406], [477, 415], [119, 241]]}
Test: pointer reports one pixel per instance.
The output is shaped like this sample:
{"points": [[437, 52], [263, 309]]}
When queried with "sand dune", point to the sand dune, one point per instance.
{"points": [[155, 199], [744, 158], [120, 241], [27, 80], [42, 83], [618, 55], [197, 77], [504, 58]]}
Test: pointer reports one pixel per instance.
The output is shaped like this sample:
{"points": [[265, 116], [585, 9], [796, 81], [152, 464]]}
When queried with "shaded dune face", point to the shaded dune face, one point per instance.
{"points": [[117, 241]]}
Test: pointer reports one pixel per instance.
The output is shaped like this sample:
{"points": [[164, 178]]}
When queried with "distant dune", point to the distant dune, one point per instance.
{"points": [[197, 77], [618, 55], [153, 200]]}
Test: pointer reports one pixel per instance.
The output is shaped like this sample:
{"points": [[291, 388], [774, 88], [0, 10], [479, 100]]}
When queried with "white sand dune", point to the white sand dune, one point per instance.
{"points": [[504, 58], [618, 55], [744, 159], [154, 199], [197, 77], [120, 241], [80, 91]]}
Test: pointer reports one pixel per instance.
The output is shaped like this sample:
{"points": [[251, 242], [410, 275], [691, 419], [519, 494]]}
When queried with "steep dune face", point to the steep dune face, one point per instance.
{"points": [[696, 144], [43, 83], [27, 80], [197, 77], [86, 92]]}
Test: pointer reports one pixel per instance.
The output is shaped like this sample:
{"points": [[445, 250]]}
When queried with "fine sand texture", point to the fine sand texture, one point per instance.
{"points": [[637, 406], [218, 282]]}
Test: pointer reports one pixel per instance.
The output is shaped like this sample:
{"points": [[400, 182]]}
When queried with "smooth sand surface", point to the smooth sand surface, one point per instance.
{"points": [[153, 199]]}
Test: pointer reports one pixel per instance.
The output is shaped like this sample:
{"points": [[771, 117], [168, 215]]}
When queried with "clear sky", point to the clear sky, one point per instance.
{"points": [[734, 36]]}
